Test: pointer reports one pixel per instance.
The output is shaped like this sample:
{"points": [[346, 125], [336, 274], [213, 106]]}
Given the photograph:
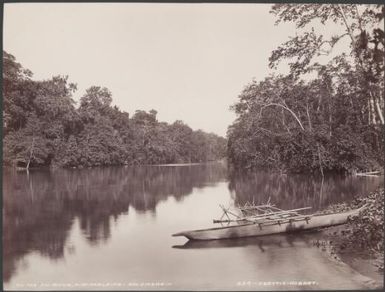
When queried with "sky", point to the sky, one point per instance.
{"points": [[187, 61]]}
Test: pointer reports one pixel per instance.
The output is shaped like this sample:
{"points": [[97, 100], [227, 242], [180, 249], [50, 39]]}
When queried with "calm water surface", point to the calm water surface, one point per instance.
{"points": [[110, 228]]}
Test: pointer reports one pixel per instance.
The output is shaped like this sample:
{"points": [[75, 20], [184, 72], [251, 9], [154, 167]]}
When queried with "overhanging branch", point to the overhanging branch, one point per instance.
{"points": [[286, 108]]}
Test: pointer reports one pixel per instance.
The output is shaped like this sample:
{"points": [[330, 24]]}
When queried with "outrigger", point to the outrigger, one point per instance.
{"points": [[258, 220]]}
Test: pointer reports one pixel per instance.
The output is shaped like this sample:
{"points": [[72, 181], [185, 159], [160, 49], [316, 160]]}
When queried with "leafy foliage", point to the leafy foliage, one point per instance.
{"points": [[368, 228], [333, 122], [43, 127]]}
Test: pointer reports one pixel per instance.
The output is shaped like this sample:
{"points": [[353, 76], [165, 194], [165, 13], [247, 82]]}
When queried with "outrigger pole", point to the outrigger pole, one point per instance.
{"points": [[272, 215]]}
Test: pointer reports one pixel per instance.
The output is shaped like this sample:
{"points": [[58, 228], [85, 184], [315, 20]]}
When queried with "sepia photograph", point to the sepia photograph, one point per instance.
{"points": [[193, 146]]}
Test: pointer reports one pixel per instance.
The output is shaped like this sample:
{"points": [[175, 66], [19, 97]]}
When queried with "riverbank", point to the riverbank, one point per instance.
{"points": [[360, 242], [368, 264]]}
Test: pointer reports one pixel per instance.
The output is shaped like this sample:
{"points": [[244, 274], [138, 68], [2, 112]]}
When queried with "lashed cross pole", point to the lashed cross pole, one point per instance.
{"points": [[267, 216], [226, 213]]}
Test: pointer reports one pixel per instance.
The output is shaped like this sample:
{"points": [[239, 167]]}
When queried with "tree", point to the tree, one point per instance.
{"points": [[16, 81], [284, 123], [363, 26], [94, 103], [42, 127], [27, 146], [38, 115]]}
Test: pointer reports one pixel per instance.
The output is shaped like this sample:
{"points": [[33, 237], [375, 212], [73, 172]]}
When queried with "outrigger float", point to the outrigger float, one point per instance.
{"points": [[257, 220]]}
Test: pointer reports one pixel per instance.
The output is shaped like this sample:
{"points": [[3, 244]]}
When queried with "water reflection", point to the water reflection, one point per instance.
{"points": [[39, 208], [297, 191], [104, 222]]}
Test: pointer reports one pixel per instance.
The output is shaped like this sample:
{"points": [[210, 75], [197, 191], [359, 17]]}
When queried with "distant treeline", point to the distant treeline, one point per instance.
{"points": [[43, 127], [332, 122]]}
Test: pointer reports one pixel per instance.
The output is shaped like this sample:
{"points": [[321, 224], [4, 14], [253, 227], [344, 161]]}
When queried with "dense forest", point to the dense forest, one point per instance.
{"points": [[319, 117], [42, 126]]}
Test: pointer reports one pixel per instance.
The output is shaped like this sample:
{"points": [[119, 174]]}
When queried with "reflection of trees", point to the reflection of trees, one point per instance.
{"points": [[295, 191], [39, 208], [31, 222]]}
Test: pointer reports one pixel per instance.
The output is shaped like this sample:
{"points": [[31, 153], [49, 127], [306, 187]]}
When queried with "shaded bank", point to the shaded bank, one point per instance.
{"points": [[360, 242]]}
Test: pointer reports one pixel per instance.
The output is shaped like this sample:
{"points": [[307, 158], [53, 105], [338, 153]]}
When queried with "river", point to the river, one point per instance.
{"points": [[110, 229]]}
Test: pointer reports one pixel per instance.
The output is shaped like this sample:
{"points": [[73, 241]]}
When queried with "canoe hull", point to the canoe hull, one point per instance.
{"points": [[254, 229]]}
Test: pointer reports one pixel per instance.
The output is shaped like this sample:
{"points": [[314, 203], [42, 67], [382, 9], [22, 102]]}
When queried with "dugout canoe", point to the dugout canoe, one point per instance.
{"points": [[274, 241], [266, 228]]}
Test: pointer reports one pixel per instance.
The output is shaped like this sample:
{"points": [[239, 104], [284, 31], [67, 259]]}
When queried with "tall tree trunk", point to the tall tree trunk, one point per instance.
{"points": [[378, 109], [308, 116], [284, 122], [372, 109], [320, 161], [375, 108], [31, 153], [330, 110]]}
